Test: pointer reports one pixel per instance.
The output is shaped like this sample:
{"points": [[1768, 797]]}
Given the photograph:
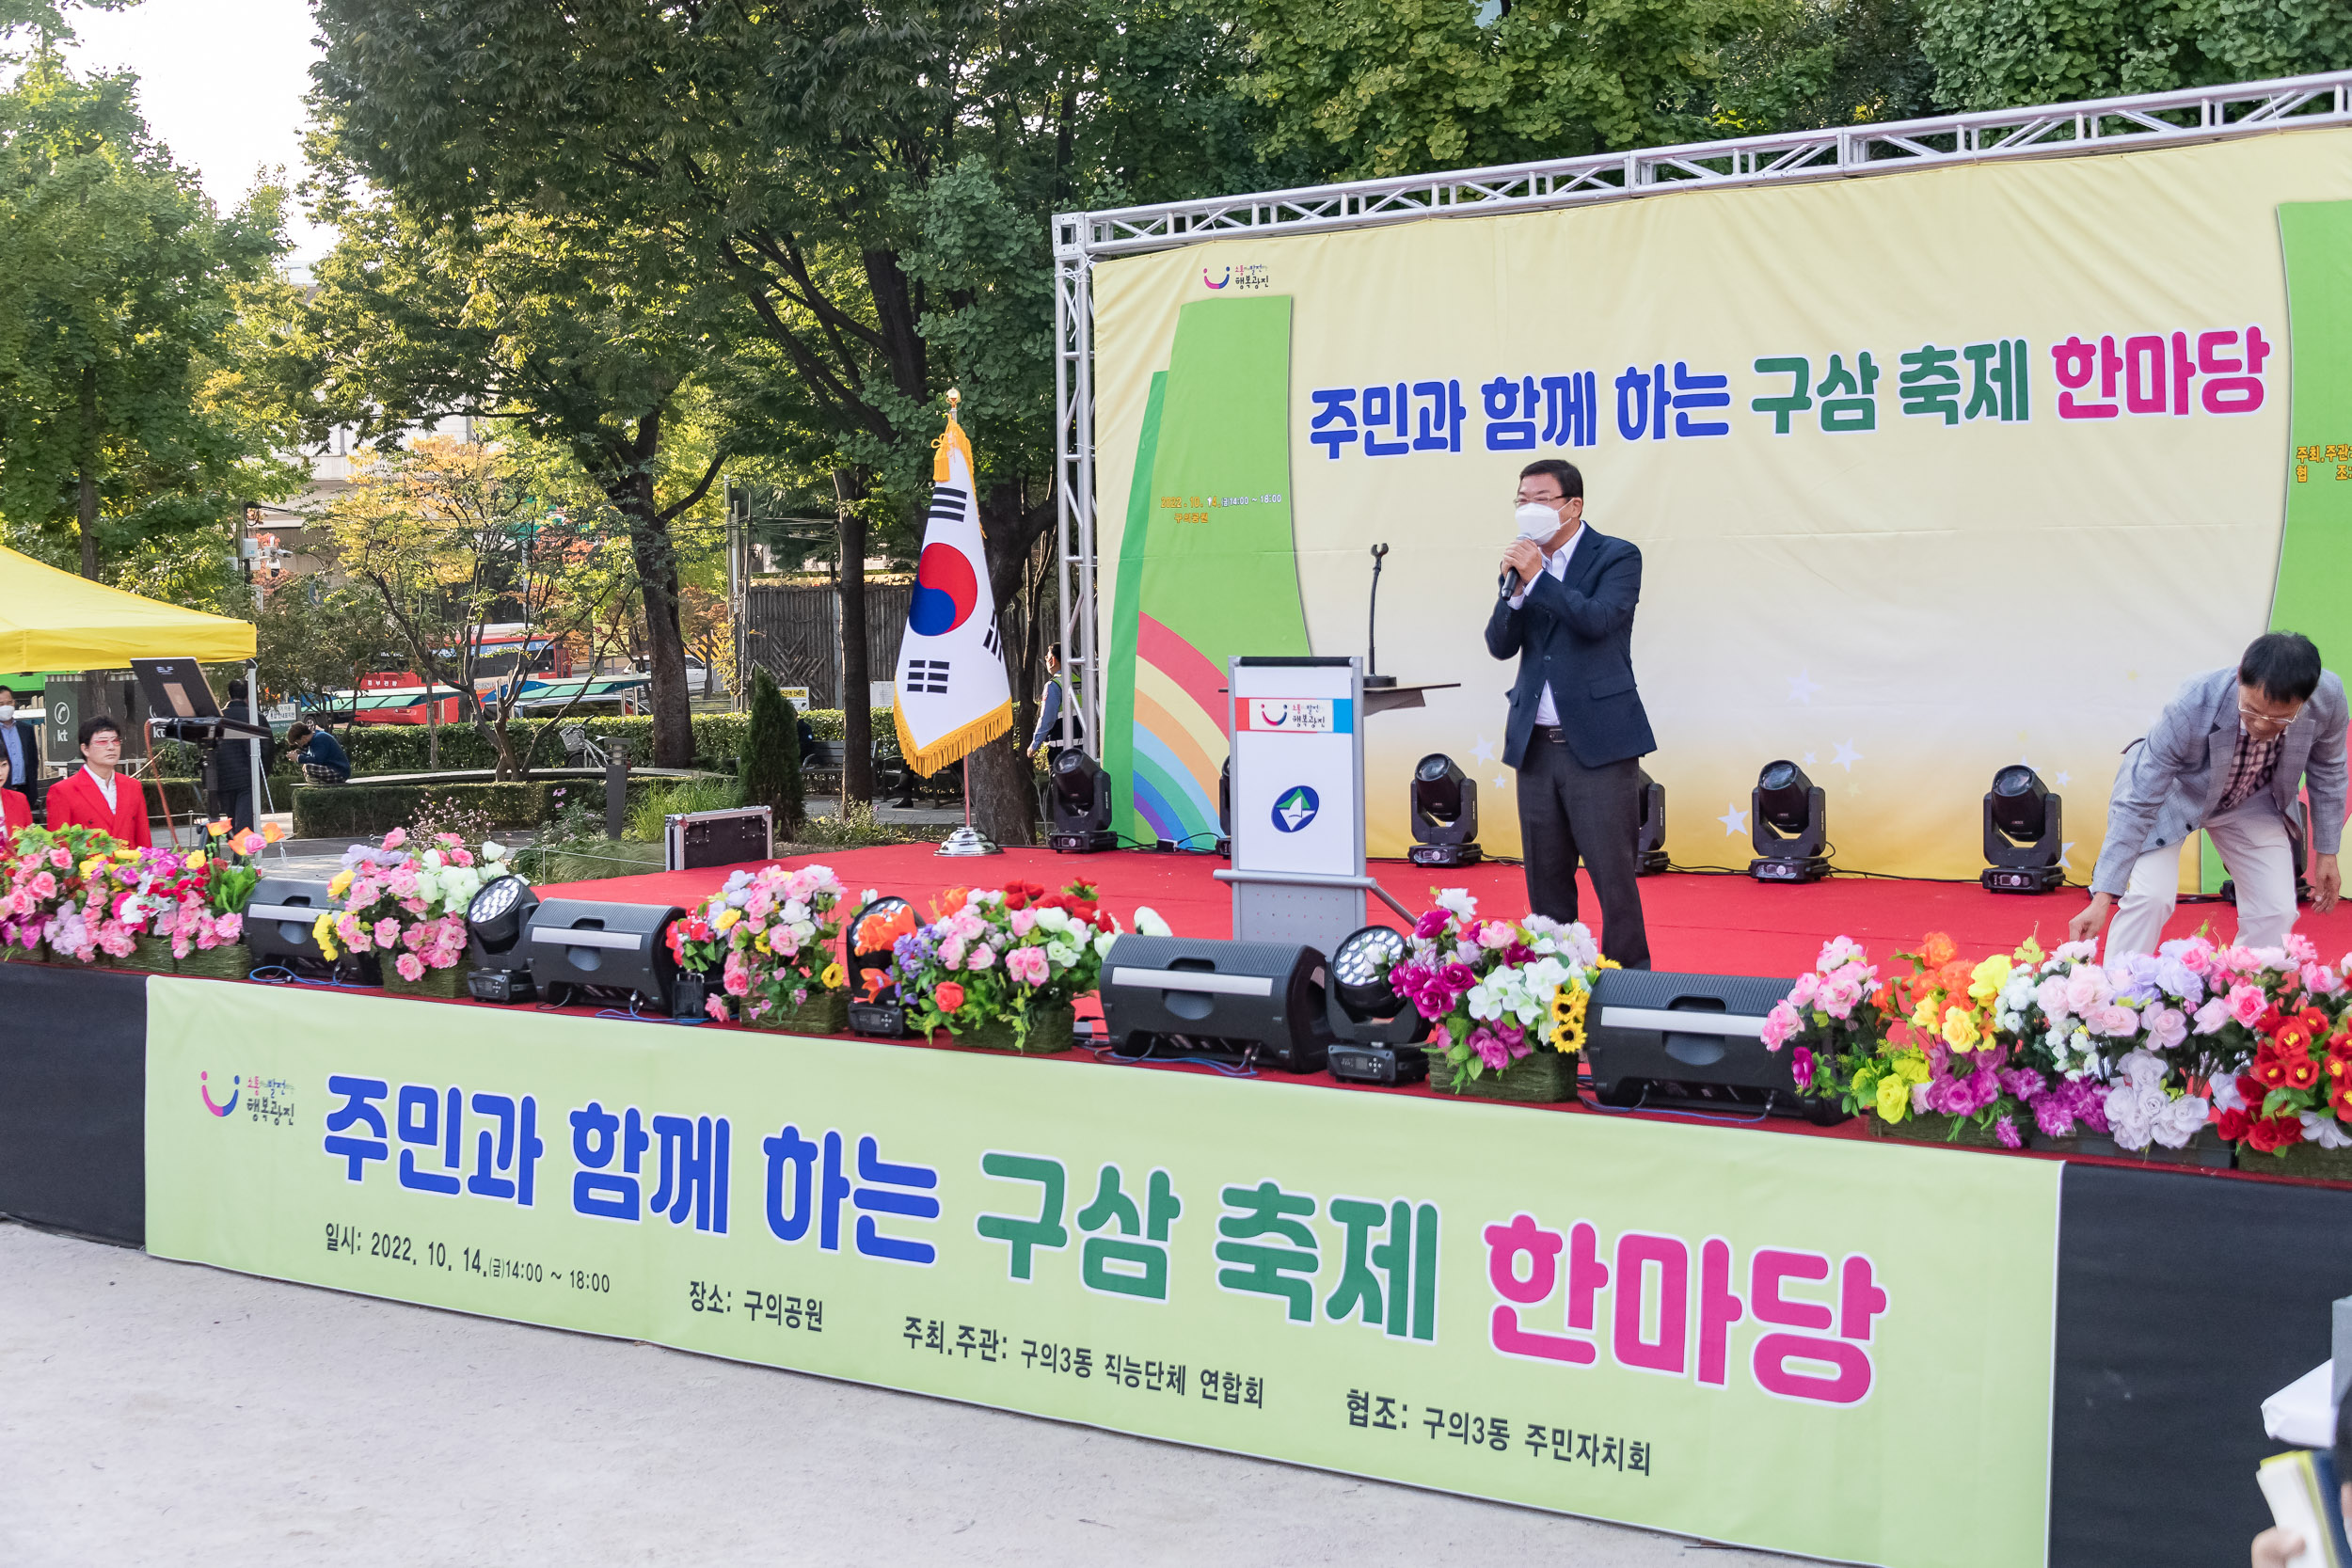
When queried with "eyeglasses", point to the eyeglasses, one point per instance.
{"points": [[2267, 720]]}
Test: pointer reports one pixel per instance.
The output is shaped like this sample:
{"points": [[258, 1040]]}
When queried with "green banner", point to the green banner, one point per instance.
{"points": [[1808, 1344]]}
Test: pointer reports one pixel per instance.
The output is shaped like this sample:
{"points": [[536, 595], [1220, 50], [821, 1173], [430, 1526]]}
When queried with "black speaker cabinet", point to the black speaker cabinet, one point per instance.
{"points": [[612, 952], [1691, 1041], [1256, 1001], [277, 923]]}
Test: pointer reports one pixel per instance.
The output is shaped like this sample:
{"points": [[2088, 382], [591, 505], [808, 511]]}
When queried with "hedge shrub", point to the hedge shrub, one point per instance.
{"points": [[404, 748], [361, 810]]}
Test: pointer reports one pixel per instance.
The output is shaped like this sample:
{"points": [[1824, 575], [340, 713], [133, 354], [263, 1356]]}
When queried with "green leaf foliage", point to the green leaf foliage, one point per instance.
{"points": [[769, 771]]}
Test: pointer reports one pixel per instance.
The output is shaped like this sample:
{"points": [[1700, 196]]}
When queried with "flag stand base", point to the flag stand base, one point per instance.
{"points": [[968, 840]]}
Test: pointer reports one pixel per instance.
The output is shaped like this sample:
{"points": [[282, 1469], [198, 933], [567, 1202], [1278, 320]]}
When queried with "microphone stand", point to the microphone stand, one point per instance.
{"points": [[1372, 627]]}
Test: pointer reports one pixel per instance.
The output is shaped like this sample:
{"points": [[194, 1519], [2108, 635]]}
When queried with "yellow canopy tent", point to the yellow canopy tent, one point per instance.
{"points": [[52, 620]]}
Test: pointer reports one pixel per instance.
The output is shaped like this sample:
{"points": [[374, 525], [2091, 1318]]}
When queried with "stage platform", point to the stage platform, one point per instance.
{"points": [[1699, 923]]}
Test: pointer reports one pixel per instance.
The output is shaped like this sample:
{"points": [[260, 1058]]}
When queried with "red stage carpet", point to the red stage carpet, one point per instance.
{"points": [[1698, 924]]}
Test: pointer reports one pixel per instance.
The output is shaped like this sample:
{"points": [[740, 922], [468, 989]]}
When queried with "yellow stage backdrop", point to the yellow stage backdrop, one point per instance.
{"points": [[1954, 467]]}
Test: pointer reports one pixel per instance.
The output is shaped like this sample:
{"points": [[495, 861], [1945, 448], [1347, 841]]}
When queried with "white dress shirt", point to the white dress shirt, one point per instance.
{"points": [[106, 786], [1556, 566]]}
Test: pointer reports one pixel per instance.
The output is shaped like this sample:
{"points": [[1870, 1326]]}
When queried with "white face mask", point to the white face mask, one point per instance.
{"points": [[7, 713], [1538, 523]]}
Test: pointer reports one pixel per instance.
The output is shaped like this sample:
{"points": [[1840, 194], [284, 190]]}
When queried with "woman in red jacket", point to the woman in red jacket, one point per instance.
{"points": [[15, 810], [95, 796]]}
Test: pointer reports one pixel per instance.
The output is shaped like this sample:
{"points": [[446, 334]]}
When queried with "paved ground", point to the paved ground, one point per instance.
{"points": [[165, 1414]]}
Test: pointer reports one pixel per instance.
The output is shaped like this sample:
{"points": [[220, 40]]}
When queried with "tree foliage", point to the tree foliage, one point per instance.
{"points": [[1993, 53], [768, 768], [119, 290]]}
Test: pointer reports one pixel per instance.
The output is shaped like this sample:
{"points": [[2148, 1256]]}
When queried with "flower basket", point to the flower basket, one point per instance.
{"points": [[2305, 1159], [1052, 1030], [1538, 1078], [450, 982], [825, 1012], [230, 960], [1933, 1127], [148, 956], [2205, 1150], [37, 954]]}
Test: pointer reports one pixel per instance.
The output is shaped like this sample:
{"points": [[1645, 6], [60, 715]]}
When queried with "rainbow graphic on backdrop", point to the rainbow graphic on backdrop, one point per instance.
{"points": [[1207, 565]]}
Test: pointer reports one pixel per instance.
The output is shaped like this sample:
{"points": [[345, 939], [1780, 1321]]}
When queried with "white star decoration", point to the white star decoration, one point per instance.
{"points": [[1847, 756], [1485, 751], [2062, 777], [2063, 853], [1802, 686], [1500, 781], [1810, 761], [1735, 821]]}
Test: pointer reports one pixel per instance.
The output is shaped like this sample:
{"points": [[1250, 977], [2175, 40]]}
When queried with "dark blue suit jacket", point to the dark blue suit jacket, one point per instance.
{"points": [[1576, 633], [28, 782]]}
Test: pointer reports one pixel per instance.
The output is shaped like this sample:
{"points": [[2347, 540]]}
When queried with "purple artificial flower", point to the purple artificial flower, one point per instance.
{"points": [[2006, 1130], [1800, 1066], [1432, 924], [1490, 1048], [1456, 978], [2022, 1082]]}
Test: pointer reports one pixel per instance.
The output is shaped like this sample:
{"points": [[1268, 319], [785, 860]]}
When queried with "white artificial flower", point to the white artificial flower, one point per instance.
{"points": [[2179, 1120], [430, 859], [794, 911], [1103, 943], [1457, 902], [870, 895], [1148, 923], [1061, 953], [2323, 1130], [494, 850], [1053, 920]]}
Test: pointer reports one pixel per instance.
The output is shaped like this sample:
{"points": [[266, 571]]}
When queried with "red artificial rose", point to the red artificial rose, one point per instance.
{"points": [[2249, 1090], [2302, 1072], [949, 996], [2313, 1022], [2270, 1066], [2293, 1037], [2340, 1101], [2271, 1134], [2232, 1126], [2269, 1020]]}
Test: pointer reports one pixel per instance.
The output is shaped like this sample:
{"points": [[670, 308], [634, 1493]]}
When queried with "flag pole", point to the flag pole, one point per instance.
{"points": [[966, 839]]}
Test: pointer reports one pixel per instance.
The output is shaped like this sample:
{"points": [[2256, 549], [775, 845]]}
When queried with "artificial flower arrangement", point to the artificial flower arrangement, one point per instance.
{"points": [[196, 900], [405, 900], [1001, 967], [2292, 1088], [1500, 990], [769, 937], [50, 907], [1832, 1022]]}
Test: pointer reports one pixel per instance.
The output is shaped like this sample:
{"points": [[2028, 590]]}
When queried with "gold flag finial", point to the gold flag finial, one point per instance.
{"points": [[953, 397]]}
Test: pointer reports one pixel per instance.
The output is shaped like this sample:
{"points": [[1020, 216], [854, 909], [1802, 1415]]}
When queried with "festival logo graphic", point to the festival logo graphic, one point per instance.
{"points": [[1295, 807], [1220, 282], [203, 1087]]}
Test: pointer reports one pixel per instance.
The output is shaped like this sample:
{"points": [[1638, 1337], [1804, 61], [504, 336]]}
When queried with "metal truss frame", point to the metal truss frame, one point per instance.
{"points": [[2054, 130]]}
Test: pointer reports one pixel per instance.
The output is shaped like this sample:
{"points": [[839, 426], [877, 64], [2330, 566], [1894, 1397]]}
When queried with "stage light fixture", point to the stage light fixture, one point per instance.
{"points": [[1791, 829], [1078, 805], [495, 920], [1445, 813], [878, 1013], [1225, 809], [2024, 833], [1649, 846], [1375, 1032], [602, 952]]}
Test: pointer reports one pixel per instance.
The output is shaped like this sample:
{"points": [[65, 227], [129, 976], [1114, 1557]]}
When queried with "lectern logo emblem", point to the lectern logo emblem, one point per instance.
{"points": [[1295, 807]]}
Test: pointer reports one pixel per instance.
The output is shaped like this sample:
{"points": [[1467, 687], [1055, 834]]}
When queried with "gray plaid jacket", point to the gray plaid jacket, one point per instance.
{"points": [[2171, 779]]}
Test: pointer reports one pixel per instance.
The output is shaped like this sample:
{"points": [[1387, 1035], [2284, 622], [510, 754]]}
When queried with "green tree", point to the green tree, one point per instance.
{"points": [[871, 184], [312, 638], [768, 765], [1814, 65], [118, 290], [1996, 54], [584, 340]]}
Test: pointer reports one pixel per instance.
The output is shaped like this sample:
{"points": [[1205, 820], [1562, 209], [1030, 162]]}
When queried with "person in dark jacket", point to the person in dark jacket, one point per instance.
{"points": [[230, 780], [1577, 730], [20, 743], [320, 756]]}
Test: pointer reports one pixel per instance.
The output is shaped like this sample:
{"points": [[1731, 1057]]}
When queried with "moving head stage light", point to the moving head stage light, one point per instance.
{"points": [[1375, 1033], [1444, 813], [1692, 1043], [1256, 1003], [583, 951], [1649, 846], [496, 920], [2024, 833], [1078, 805], [1790, 828]]}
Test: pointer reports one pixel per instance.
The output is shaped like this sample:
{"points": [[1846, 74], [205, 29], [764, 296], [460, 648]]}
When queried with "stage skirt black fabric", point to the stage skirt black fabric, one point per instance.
{"points": [[74, 1099]]}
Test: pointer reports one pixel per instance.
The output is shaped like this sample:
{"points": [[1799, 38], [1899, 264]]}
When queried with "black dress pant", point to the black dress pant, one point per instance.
{"points": [[1569, 812]]}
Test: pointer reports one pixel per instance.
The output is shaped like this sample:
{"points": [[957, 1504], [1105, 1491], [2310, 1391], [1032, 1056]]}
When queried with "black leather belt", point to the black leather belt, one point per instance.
{"points": [[1551, 733]]}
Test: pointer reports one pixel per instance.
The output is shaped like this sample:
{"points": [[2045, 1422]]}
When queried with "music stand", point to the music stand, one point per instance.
{"points": [[180, 706]]}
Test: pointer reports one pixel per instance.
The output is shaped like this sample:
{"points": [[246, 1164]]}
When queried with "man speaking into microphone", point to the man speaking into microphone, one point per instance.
{"points": [[1564, 607]]}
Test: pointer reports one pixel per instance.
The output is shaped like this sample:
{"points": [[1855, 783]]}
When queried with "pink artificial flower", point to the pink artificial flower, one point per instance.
{"points": [[387, 931], [1495, 935], [2211, 1017], [1024, 921], [1781, 1022], [738, 982], [2166, 1027], [716, 1007], [409, 966], [1800, 1066], [2320, 981], [2300, 949], [1839, 995], [2115, 1021], [979, 958], [1806, 989], [44, 886], [461, 857], [61, 860], [2086, 988], [951, 953], [2196, 956], [2245, 1003], [2051, 996], [394, 839], [1026, 964], [1490, 1048]]}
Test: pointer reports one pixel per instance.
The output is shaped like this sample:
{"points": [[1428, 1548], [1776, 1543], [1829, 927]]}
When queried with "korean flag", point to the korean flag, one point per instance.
{"points": [[953, 693]]}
